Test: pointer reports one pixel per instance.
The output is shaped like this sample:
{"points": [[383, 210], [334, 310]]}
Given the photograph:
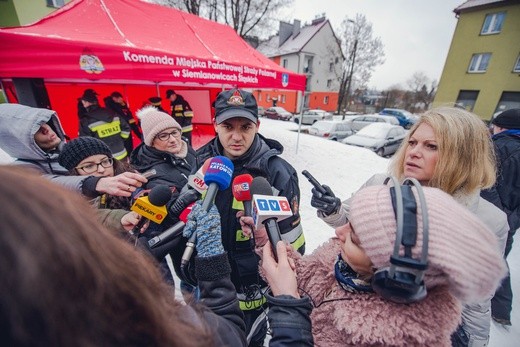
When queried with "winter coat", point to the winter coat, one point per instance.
{"points": [[170, 169], [289, 321], [342, 318], [182, 112], [120, 109], [173, 172], [475, 316], [18, 125], [261, 159], [105, 125], [221, 312], [506, 192]]}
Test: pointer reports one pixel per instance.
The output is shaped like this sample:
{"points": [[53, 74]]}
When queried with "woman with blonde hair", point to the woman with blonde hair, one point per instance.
{"points": [[448, 148]]}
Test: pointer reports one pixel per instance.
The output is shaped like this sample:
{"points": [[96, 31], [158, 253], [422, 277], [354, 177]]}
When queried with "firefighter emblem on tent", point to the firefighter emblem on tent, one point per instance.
{"points": [[90, 63]]}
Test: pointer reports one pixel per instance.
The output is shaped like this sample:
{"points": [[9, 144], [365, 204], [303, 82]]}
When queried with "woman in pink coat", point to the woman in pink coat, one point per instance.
{"points": [[464, 264]]}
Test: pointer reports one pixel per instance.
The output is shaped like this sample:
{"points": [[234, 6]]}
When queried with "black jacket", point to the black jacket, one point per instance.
{"points": [[290, 321], [182, 112], [170, 170], [506, 192], [222, 313], [120, 109], [260, 160], [105, 125]]}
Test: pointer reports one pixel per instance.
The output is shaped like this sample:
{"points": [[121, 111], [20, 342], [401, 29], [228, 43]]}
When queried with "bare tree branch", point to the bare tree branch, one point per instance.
{"points": [[363, 53]]}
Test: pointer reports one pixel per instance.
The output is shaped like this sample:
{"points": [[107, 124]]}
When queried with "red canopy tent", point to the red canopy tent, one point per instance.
{"points": [[138, 48]]}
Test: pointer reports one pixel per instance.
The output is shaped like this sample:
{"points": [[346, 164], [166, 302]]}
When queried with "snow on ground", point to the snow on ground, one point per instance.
{"points": [[345, 169]]}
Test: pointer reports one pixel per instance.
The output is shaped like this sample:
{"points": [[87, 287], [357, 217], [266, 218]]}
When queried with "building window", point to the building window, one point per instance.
{"points": [[307, 66], [331, 67], [517, 65], [329, 83], [493, 23], [283, 99], [326, 100], [507, 101], [55, 3], [467, 99], [285, 63], [479, 62]]}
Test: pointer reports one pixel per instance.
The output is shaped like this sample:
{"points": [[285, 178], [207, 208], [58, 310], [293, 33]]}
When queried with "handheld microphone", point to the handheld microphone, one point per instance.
{"points": [[217, 177], [172, 231], [196, 181], [151, 207], [242, 191], [269, 209]]}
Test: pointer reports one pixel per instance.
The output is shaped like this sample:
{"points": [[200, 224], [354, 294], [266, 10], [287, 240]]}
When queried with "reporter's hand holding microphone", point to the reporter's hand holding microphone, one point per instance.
{"points": [[206, 226]]}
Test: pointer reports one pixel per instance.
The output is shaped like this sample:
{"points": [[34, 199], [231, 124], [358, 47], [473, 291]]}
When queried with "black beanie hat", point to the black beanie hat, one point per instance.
{"points": [[509, 119], [80, 148]]}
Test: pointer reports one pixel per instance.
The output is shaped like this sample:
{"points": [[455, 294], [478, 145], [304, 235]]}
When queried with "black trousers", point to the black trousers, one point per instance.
{"points": [[502, 302]]}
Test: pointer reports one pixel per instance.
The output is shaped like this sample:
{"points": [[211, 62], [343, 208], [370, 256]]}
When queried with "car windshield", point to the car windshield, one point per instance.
{"points": [[373, 132], [407, 114], [323, 126]]}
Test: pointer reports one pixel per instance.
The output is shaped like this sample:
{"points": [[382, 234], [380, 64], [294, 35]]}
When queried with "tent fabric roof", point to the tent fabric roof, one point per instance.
{"points": [[137, 41]]}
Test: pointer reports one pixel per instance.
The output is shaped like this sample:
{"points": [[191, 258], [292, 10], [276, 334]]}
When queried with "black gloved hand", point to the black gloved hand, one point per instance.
{"points": [[327, 203], [183, 200]]}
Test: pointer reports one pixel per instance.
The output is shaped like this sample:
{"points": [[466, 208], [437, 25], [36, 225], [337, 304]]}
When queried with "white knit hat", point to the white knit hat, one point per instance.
{"points": [[153, 122], [462, 252]]}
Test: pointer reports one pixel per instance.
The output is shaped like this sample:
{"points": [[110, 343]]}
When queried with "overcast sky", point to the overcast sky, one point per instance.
{"points": [[416, 33]]}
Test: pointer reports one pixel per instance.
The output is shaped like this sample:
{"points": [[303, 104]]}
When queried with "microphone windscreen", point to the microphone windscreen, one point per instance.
{"points": [[184, 214], [242, 187], [220, 171], [204, 166], [260, 186], [160, 195]]}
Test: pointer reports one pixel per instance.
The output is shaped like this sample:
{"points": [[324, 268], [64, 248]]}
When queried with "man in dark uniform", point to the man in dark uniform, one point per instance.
{"points": [[182, 112], [236, 124], [104, 124], [116, 103]]}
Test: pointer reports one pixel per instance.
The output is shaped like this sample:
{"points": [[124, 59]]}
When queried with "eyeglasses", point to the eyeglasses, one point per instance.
{"points": [[93, 167], [166, 136]]}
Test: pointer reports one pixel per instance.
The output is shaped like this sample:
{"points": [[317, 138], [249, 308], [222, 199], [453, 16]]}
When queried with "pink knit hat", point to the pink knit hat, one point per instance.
{"points": [[462, 252], [153, 122]]}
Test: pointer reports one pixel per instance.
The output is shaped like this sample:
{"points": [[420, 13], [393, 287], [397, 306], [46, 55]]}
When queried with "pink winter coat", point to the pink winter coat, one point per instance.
{"points": [[367, 319]]}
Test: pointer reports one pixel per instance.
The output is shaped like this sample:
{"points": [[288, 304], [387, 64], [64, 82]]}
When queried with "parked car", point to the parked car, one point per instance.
{"points": [[261, 111], [360, 122], [382, 138], [331, 129], [311, 116], [277, 112], [405, 118]]}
